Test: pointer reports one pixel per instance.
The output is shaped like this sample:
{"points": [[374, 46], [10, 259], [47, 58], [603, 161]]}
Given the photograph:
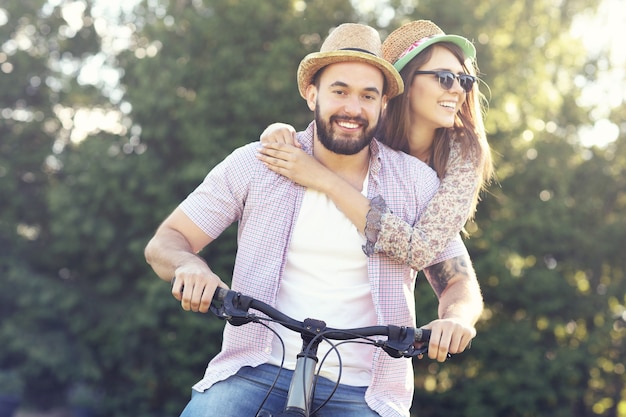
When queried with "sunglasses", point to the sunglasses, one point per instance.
{"points": [[446, 79]]}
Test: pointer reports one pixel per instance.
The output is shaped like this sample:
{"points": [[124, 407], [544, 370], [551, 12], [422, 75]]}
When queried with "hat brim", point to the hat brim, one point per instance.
{"points": [[468, 48], [314, 62]]}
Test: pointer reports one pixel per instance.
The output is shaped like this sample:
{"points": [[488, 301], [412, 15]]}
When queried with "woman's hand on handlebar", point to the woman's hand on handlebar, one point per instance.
{"points": [[194, 286], [448, 336]]}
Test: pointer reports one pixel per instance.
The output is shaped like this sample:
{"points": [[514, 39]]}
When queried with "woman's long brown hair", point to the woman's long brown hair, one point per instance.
{"points": [[468, 127]]}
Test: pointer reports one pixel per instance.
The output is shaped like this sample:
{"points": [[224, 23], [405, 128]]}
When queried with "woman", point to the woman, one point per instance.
{"points": [[437, 119]]}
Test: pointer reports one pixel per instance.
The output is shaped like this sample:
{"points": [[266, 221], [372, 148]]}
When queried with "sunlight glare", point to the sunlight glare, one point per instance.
{"points": [[601, 34]]}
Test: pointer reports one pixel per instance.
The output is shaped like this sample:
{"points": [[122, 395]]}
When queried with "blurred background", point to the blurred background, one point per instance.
{"points": [[111, 112]]}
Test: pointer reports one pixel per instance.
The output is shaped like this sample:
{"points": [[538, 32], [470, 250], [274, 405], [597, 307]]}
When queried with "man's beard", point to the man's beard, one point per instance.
{"points": [[349, 146]]}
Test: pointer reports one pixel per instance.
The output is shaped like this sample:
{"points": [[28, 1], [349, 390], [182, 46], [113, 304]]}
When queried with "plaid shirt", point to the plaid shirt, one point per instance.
{"points": [[266, 205]]}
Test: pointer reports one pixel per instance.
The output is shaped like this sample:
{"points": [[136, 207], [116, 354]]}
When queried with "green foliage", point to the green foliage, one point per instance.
{"points": [[84, 319]]}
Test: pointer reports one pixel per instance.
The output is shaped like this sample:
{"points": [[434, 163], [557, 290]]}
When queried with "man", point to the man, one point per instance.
{"points": [[297, 251]]}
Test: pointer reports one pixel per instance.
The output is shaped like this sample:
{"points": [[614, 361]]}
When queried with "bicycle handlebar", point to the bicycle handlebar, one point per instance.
{"points": [[233, 307]]}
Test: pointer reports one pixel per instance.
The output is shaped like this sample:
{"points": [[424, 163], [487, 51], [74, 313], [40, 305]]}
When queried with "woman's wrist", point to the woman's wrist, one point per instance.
{"points": [[373, 221]]}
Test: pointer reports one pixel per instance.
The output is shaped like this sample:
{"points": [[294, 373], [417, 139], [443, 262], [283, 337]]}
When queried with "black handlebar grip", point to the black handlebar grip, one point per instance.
{"points": [[422, 335], [220, 294]]}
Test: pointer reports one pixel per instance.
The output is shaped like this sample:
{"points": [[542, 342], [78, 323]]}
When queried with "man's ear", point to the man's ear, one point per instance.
{"points": [[311, 96]]}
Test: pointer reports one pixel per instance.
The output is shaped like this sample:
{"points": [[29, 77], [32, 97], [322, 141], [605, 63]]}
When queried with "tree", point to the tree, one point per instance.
{"points": [[33, 89]]}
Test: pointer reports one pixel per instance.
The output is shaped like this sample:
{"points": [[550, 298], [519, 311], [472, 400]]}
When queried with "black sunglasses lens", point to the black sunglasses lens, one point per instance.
{"points": [[446, 79], [466, 81]]}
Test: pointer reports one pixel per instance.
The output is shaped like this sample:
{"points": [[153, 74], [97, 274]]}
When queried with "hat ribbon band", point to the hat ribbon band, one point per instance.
{"points": [[358, 50], [414, 45]]}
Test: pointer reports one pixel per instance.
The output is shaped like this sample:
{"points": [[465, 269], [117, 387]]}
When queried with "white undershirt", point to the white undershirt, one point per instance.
{"points": [[326, 278]]}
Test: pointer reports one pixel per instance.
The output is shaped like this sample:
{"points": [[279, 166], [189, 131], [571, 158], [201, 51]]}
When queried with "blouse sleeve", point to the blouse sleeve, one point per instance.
{"points": [[443, 218]]}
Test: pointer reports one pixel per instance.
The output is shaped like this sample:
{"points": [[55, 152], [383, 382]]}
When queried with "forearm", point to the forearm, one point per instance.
{"points": [[172, 252], [455, 283], [387, 233], [442, 220], [169, 250], [463, 302]]}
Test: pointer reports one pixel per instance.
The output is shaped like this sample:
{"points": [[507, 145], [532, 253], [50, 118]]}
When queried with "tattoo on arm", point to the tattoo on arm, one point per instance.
{"points": [[439, 275]]}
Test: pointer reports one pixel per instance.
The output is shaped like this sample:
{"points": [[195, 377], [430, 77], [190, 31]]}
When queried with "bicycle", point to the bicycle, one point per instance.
{"points": [[400, 342]]}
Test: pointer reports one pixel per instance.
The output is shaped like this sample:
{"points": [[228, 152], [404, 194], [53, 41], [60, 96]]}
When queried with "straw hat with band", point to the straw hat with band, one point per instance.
{"points": [[349, 42], [404, 43]]}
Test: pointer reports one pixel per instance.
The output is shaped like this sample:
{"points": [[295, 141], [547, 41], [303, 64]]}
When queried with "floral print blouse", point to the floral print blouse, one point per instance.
{"points": [[445, 216]]}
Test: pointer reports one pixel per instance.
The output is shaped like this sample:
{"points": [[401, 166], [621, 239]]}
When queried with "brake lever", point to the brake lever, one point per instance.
{"points": [[233, 308], [414, 352], [400, 341]]}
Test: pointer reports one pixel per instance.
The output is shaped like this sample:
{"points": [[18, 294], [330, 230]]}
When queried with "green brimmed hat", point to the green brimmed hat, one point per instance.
{"points": [[349, 42], [404, 43]]}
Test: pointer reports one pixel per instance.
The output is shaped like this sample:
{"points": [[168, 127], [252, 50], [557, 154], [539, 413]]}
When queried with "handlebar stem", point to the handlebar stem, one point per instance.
{"points": [[301, 387]]}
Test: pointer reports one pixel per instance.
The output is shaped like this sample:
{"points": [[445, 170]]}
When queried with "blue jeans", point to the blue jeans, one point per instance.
{"points": [[242, 394]]}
